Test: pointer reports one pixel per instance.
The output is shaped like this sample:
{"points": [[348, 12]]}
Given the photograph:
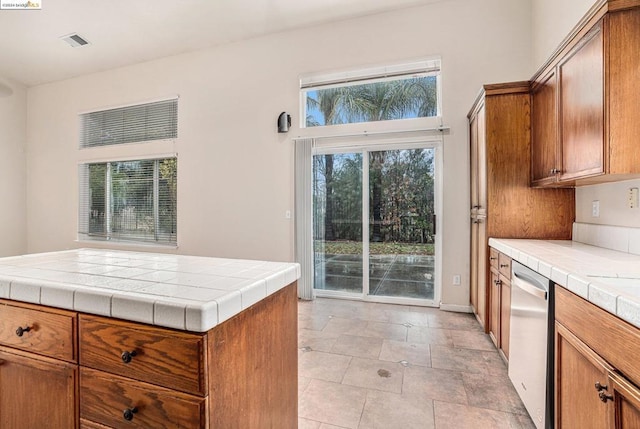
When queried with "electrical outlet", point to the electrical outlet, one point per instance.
{"points": [[456, 279], [287, 214], [632, 200], [595, 208]]}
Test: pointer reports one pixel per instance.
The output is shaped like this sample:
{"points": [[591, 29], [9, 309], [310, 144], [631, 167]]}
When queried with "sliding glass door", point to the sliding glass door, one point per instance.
{"points": [[389, 254]]}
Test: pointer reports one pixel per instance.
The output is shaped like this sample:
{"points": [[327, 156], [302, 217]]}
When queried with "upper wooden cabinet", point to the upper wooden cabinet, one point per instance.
{"points": [[585, 102]]}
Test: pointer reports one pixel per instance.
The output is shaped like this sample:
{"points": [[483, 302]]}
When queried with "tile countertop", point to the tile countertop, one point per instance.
{"points": [[184, 292], [607, 278]]}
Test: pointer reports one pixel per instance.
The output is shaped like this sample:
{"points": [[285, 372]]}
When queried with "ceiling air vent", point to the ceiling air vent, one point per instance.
{"points": [[74, 40]]}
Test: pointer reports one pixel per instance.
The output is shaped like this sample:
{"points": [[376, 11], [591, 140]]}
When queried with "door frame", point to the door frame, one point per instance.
{"points": [[358, 144]]}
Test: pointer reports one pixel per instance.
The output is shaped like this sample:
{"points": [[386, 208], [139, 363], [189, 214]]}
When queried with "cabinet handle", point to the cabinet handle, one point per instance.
{"points": [[605, 397], [555, 171], [129, 412], [601, 387], [491, 258], [504, 265], [475, 207], [497, 282], [127, 356], [20, 331]]}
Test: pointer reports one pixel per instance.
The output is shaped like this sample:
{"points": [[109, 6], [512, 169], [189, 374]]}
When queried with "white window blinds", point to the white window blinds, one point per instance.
{"points": [[143, 122], [129, 201]]}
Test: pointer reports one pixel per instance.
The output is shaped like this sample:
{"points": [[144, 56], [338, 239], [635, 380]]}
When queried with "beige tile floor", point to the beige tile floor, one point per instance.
{"points": [[366, 365]]}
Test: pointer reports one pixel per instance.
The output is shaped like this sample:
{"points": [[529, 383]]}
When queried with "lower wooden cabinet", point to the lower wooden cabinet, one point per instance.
{"points": [[64, 370], [500, 301], [597, 370], [36, 392]]}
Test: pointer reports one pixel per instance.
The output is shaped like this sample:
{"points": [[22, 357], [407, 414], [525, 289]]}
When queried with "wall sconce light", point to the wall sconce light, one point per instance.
{"points": [[284, 122]]}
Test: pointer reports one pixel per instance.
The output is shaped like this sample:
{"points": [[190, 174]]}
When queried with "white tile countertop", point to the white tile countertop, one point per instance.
{"points": [[607, 278], [184, 292]]}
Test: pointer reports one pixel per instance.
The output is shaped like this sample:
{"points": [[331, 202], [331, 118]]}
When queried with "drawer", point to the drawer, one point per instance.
{"points": [[37, 329], [504, 265], [493, 257], [164, 357], [119, 402]]}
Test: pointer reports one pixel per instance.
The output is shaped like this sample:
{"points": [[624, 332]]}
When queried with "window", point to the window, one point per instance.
{"points": [[129, 200], [139, 123], [370, 95], [134, 199]]}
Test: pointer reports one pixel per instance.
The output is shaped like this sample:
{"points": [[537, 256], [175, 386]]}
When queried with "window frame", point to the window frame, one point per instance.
{"points": [[371, 74], [84, 205], [129, 150]]}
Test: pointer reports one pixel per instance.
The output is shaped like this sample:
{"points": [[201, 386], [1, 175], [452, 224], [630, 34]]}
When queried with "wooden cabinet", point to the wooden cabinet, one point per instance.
{"points": [[597, 371], [544, 130], [68, 370], [500, 300], [38, 375], [585, 102], [502, 204]]}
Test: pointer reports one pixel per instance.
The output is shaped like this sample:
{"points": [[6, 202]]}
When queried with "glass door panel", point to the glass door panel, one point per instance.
{"points": [[402, 223], [337, 222]]}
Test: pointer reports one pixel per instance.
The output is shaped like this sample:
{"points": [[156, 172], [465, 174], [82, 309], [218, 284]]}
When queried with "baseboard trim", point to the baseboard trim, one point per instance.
{"points": [[456, 308]]}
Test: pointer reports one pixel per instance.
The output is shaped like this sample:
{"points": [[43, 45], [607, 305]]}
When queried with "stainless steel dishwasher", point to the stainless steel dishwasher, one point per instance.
{"points": [[531, 343]]}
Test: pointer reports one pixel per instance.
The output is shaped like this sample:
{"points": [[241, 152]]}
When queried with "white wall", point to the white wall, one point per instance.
{"points": [[552, 20], [13, 121], [235, 171]]}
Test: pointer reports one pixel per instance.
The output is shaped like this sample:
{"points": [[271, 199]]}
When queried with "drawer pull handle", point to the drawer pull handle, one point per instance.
{"points": [[20, 331], [492, 258], [129, 412], [605, 397], [127, 356], [601, 387], [504, 265]]}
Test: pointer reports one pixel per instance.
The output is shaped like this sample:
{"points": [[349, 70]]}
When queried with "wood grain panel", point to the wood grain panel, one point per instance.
{"points": [[582, 108], [577, 370], [104, 397], [544, 130], [617, 341], [37, 392], [515, 210], [505, 315], [51, 332], [253, 360], [624, 107], [626, 402], [165, 357], [494, 307]]}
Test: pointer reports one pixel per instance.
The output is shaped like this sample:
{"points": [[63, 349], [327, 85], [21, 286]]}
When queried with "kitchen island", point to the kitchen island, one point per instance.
{"points": [[94, 339]]}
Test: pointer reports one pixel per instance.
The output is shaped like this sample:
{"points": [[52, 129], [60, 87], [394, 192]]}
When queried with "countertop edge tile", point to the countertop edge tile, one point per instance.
{"points": [[71, 287], [576, 267]]}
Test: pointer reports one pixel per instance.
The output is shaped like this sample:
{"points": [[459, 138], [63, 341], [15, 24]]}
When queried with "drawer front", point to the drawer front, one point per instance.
{"points": [[119, 402], [493, 257], [40, 330], [504, 264], [164, 357]]}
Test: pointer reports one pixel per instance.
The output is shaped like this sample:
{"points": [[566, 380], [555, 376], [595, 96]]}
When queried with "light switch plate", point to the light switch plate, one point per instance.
{"points": [[595, 208]]}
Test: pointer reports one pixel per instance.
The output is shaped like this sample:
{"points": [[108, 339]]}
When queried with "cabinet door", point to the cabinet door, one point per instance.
{"points": [[626, 402], [582, 108], [36, 393], [478, 288], [494, 307], [544, 130], [478, 163], [579, 370], [505, 315]]}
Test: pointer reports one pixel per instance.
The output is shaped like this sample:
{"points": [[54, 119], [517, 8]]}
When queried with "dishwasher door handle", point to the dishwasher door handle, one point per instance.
{"points": [[529, 288]]}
